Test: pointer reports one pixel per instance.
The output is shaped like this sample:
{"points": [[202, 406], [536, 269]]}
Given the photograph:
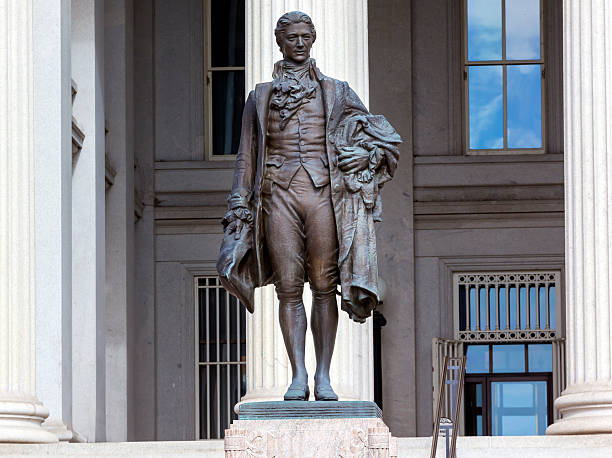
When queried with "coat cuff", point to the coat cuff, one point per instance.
{"points": [[239, 199]]}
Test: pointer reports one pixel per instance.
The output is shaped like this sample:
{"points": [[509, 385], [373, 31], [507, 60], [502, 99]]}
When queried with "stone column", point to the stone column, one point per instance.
{"points": [[88, 223], [53, 159], [586, 404], [21, 413], [341, 51], [120, 217]]}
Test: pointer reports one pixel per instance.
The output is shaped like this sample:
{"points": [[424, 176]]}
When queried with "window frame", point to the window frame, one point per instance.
{"points": [[491, 343], [486, 379], [208, 71], [504, 63]]}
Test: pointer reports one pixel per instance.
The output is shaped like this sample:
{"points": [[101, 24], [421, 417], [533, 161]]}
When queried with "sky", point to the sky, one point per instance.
{"points": [[486, 104]]}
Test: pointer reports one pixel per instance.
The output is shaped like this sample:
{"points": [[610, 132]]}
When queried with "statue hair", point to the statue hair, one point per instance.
{"points": [[293, 17]]}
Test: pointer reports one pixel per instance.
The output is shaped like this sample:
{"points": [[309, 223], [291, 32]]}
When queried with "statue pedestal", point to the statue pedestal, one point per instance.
{"points": [[309, 429]]}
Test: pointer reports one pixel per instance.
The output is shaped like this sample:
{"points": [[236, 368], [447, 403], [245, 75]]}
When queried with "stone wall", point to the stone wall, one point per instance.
{"points": [[446, 211]]}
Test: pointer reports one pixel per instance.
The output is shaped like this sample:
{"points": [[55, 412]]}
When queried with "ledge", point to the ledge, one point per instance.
{"points": [[184, 165], [488, 158]]}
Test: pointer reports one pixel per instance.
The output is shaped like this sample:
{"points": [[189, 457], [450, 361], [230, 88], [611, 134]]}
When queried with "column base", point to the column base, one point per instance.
{"points": [[586, 409], [59, 428], [21, 422]]}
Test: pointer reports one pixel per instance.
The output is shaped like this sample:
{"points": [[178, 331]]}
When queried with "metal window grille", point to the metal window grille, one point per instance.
{"points": [[220, 357], [506, 306]]}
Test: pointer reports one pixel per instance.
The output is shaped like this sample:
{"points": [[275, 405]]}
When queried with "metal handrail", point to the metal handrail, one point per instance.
{"points": [[450, 452]]}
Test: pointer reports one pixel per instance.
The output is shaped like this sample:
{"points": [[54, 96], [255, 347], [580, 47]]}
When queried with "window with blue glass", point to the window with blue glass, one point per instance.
{"points": [[504, 76], [508, 389]]}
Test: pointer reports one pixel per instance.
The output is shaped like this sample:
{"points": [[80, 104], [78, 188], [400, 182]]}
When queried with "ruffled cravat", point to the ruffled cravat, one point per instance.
{"points": [[293, 86]]}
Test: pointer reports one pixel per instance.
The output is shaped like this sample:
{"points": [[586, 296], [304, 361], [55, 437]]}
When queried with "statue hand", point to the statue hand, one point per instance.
{"points": [[236, 220], [353, 159], [236, 227]]}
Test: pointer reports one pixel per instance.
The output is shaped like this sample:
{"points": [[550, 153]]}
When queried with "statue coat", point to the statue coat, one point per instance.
{"points": [[243, 264]]}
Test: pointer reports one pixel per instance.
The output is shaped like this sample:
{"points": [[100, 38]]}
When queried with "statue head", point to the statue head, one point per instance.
{"points": [[295, 33]]}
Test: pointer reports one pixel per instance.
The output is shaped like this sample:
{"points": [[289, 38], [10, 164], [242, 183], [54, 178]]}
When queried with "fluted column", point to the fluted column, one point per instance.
{"points": [[586, 404], [21, 414], [341, 51]]}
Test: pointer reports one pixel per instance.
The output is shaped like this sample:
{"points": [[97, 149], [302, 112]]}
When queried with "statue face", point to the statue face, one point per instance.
{"points": [[296, 43]]}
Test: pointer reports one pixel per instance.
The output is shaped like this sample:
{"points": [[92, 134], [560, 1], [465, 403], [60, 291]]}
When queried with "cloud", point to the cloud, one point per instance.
{"points": [[524, 138], [522, 29], [486, 107], [484, 13], [484, 29], [524, 106], [485, 131]]}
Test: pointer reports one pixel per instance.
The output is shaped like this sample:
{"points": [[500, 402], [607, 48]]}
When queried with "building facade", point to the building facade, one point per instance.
{"points": [[120, 123]]}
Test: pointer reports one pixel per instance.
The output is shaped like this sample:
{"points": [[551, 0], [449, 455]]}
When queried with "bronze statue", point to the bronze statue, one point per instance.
{"points": [[305, 197]]}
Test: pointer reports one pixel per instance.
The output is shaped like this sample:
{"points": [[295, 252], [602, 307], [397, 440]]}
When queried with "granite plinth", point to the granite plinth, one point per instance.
{"points": [[309, 429], [281, 410]]}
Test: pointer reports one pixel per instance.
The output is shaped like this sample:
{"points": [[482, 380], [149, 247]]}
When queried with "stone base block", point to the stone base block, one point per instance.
{"points": [[348, 437]]}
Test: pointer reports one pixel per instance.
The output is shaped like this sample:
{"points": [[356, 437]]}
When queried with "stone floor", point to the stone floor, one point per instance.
{"points": [[213, 448], [597, 446]]}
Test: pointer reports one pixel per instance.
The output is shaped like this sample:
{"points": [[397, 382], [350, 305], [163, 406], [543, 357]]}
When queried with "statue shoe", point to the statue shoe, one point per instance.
{"points": [[297, 392], [325, 393]]}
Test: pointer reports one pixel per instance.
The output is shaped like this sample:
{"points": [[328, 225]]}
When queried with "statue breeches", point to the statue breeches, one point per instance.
{"points": [[300, 231]]}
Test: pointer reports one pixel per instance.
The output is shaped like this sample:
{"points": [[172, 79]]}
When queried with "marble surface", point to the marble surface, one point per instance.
{"points": [[595, 446], [310, 438]]}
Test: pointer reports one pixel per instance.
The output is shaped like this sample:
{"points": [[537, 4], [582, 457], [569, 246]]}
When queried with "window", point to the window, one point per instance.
{"points": [[220, 357], [508, 326], [225, 76], [504, 76], [508, 389]]}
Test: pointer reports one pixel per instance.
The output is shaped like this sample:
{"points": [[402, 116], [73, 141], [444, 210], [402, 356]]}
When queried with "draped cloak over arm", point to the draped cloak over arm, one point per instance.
{"points": [[361, 203], [237, 264]]}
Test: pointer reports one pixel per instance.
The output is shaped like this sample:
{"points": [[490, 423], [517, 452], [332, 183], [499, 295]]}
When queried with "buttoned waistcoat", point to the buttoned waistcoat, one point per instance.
{"points": [[338, 99], [300, 144]]}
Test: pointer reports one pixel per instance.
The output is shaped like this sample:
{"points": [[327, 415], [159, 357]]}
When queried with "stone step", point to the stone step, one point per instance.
{"points": [[595, 446], [592, 446], [189, 449]]}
